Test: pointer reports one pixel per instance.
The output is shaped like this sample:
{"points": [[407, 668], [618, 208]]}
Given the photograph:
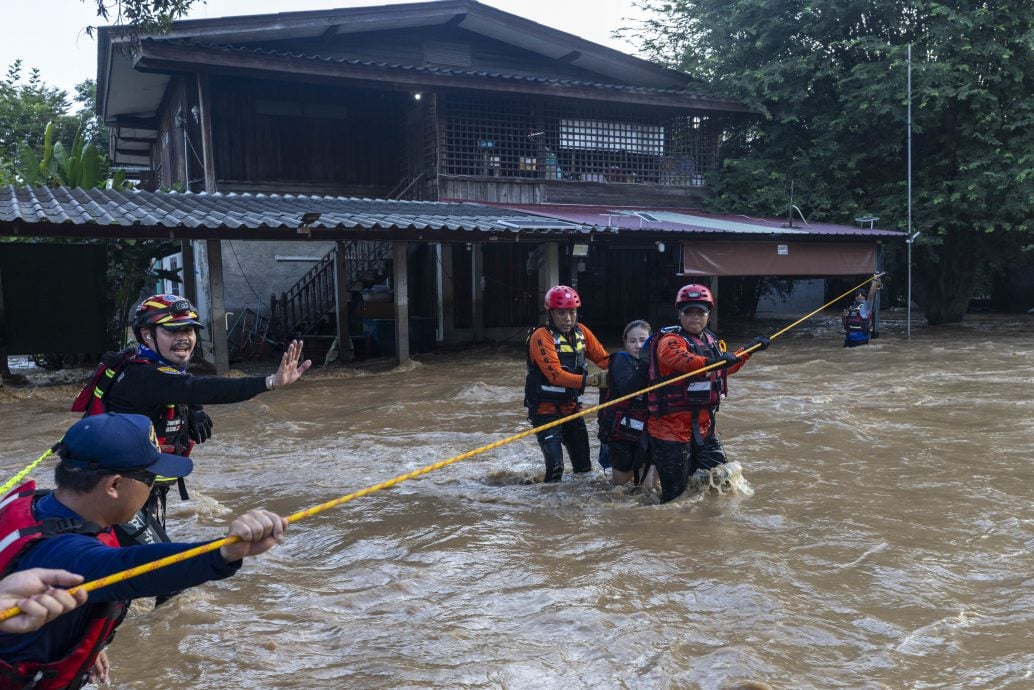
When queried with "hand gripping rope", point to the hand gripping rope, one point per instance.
{"points": [[219, 543]]}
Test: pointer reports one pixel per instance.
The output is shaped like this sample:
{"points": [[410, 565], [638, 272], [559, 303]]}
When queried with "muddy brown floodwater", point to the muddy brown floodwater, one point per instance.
{"points": [[887, 544]]}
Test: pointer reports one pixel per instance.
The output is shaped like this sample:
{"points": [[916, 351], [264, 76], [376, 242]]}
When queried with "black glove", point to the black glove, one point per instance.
{"points": [[726, 360], [762, 341], [199, 424]]}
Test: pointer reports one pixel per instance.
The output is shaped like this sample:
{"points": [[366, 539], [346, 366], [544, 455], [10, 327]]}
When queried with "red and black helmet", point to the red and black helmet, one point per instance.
{"points": [[696, 295], [562, 297], [170, 311]]}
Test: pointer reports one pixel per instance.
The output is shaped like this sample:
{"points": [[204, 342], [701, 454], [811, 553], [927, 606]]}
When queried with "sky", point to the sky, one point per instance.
{"points": [[49, 34]]}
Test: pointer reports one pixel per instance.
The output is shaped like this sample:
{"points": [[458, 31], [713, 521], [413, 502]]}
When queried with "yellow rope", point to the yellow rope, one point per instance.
{"points": [[212, 546], [13, 481]]}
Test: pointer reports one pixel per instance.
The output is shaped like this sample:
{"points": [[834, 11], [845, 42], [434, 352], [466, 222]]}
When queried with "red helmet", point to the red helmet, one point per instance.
{"points": [[562, 297], [170, 311], [693, 293]]}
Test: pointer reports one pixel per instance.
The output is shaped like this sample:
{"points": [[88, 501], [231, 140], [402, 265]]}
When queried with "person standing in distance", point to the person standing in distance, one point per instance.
{"points": [[555, 378], [681, 424], [858, 316]]}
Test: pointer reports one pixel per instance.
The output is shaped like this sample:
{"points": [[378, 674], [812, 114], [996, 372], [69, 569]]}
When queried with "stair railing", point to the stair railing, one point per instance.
{"points": [[311, 301]]}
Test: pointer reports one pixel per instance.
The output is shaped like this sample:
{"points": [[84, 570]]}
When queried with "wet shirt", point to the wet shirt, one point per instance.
{"points": [[542, 351], [674, 357], [85, 555]]}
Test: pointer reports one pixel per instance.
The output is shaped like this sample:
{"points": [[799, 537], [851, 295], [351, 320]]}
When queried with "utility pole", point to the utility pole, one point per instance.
{"points": [[910, 237]]}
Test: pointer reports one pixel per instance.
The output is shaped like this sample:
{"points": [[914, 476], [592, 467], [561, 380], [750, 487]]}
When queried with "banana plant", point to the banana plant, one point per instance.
{"points": [[82, 166]]}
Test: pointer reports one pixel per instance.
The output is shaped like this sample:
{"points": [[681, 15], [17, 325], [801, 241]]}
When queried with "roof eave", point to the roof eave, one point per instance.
{"points": [[159, 56]]}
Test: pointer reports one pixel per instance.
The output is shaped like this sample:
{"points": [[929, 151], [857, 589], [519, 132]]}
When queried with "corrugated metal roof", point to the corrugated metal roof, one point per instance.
{"points": [[457, 71], [682, 221], [254, 211]]}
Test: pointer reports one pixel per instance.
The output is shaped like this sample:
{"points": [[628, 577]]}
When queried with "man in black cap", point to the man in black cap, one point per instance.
{"points": [[108, 464]]}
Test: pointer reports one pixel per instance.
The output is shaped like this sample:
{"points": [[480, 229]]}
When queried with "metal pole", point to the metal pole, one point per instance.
{"points": [[911, 237]]}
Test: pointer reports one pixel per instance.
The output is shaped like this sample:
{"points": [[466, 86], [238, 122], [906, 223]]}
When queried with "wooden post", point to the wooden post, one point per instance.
{"points": [[342, 297], [448, 296], [477, 267], [439, 288], [549, 270], [400, 281], [712, 324], [204, 99], [189, 279], [217, 304]]}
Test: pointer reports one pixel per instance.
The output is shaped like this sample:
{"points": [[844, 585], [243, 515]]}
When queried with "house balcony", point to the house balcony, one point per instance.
{"points": [[614, 187]]}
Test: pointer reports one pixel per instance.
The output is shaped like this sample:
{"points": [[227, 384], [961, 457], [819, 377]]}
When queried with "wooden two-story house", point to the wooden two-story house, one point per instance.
{"points": [[446, 101]]}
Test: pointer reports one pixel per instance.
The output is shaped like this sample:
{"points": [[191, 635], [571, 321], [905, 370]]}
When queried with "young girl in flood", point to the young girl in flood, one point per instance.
{"points": [[621, 425]]}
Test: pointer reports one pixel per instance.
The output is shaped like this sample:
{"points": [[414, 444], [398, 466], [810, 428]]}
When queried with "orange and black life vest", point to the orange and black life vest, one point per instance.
{"points": [[703, 391], [572, 355]]}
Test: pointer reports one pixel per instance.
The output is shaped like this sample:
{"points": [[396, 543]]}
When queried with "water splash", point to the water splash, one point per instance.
{"points": [[725, 479]]}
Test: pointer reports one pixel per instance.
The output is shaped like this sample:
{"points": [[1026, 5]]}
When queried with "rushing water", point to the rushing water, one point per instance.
{"points": [[887, 543]]}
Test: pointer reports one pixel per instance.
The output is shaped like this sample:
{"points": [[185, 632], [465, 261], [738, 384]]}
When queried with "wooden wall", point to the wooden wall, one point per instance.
{"points": [[284, 135], [175, 119], [518, 191]]}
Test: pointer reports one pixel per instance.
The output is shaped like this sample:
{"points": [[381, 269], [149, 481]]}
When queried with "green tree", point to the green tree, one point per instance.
{"points": [[80, 166], [27, 105], [148, 15], [92, 127], [829, 80]]}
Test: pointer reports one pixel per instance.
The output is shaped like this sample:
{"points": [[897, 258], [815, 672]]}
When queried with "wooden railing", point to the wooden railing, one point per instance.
{"points": [[404, 185], [309, 306]]}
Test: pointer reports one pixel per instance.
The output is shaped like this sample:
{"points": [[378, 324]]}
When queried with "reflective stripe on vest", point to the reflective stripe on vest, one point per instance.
{"points": [[624, 421], [703, 391], [572, 359]]}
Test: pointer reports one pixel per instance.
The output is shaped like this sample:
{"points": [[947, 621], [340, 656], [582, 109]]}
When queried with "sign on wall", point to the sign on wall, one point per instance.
{"points": [[778, 258]]}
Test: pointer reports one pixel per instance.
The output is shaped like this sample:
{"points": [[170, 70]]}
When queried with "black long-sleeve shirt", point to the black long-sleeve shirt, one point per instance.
{"points": [[144, 388], [147, 388]]}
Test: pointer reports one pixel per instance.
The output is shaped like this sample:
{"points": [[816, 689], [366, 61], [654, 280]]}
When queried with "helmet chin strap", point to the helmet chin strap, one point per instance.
{"points": [[152, 344]]}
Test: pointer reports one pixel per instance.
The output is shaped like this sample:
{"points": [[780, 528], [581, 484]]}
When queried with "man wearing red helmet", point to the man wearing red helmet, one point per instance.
{"points": [[151, 379], [681, 424], [556, 376]]}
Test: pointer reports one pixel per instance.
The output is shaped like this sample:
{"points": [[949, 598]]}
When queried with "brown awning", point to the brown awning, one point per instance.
{"points": [[778, 258]]}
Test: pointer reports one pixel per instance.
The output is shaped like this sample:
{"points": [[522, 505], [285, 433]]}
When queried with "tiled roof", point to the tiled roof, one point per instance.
{"points": [[254, 211], [458, 71]]}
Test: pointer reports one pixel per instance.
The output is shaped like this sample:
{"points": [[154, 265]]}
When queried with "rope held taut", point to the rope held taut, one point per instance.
{"points": [[219, 543], [13, 481]]}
